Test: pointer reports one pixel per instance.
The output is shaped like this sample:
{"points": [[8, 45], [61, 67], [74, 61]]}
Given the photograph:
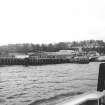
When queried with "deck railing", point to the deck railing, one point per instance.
{"points": [[95, 98]]}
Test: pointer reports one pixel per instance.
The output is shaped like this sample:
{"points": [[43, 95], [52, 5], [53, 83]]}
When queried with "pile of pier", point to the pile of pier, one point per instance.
{"points": [[33, 61]]}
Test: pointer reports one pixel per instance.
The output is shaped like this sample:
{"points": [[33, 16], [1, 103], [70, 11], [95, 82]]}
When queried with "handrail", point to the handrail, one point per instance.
{"points": [[94, 98]]}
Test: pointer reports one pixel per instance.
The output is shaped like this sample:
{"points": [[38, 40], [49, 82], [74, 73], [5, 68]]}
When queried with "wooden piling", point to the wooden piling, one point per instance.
{"points": [[101, 78]]}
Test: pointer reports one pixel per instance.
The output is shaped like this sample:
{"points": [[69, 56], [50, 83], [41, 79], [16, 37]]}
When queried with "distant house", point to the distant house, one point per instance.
{"points": [[62, 54], [93, 54], [5, 55], [66, 52], [18, 55], [38, 55]]}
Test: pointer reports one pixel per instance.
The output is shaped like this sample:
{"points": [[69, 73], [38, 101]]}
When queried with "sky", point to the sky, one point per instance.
{"points": [[51, 21]]}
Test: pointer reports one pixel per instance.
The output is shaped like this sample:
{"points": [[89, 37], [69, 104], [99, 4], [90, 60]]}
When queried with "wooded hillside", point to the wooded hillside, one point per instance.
{"points": [[86, 45]]}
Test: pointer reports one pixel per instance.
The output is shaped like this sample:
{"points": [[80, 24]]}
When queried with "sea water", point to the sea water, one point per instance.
{"points": [[47, 84]]}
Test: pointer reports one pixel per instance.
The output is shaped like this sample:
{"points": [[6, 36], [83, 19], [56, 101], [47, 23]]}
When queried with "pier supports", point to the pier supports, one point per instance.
{"points": [[40, 61]]}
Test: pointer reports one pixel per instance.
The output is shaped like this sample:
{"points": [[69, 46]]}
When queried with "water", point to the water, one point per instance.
{"points": [[46, 85]]}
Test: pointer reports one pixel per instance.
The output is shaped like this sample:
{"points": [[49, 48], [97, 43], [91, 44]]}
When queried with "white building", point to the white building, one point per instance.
{"points": [[18, 55]]}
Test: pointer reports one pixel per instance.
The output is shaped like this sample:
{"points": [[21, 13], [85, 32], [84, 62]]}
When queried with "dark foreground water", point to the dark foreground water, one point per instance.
{"points": [[45, 85]]}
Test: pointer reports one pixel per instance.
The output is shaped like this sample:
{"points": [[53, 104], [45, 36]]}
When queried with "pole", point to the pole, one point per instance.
{"points": [[101, 78]]}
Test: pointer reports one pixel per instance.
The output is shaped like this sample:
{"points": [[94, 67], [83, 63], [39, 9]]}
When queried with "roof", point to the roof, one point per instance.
{"points": [[61, 52]]}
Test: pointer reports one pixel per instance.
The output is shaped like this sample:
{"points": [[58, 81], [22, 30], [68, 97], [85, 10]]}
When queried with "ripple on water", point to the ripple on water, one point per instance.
{"points": [[57, 97], [21, 85], [16, 96], [2, 101]]}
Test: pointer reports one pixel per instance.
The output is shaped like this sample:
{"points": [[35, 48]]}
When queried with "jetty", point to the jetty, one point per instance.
{"points": [[44, 61], [43, 58]]}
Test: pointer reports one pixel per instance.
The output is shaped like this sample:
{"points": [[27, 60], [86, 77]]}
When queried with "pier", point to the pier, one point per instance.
{"points": [[44, 61]]}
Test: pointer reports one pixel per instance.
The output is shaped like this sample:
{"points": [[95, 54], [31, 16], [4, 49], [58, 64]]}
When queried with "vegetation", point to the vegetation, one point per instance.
{"points": [[87, 45]]}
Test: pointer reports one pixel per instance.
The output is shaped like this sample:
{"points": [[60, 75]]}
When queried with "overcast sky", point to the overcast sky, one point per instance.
{"points": [[50, 21]]}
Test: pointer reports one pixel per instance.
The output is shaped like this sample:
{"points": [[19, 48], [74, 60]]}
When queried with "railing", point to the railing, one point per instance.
{"points": [[95, 98]]}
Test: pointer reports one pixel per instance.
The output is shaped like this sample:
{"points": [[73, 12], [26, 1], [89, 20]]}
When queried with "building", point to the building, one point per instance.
{"points": [[18, 55], [66, 52], [93, 54], [62, 54], [38, 55]]}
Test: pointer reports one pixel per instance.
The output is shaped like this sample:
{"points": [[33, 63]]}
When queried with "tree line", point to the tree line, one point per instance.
{"points": [[86, 45]]}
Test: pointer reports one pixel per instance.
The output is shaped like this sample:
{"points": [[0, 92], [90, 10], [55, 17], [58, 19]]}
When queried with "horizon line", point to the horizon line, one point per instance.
{"points": [[49, 42]]}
